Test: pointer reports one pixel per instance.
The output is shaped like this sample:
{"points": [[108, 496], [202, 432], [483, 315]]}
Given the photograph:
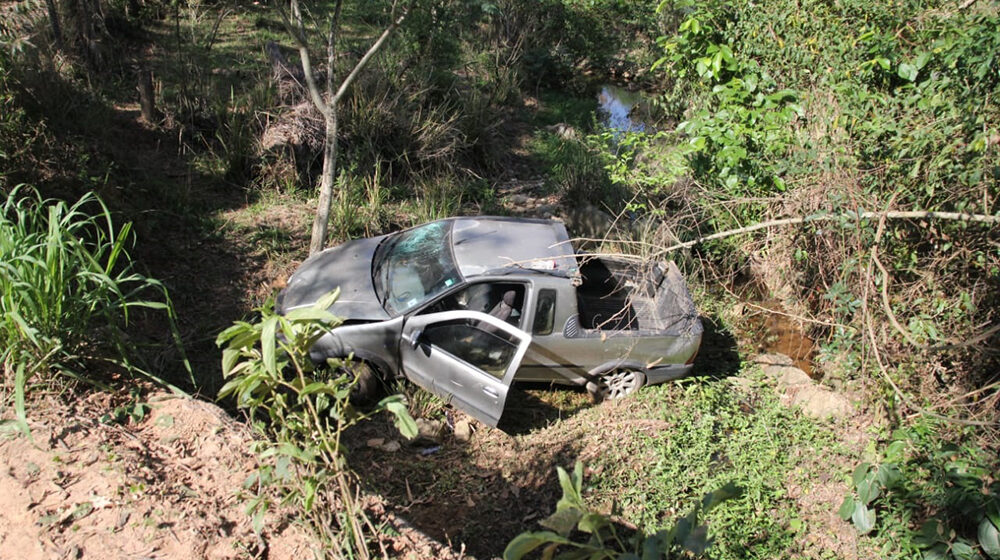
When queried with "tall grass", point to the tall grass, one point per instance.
{"points": [[67, 287]]}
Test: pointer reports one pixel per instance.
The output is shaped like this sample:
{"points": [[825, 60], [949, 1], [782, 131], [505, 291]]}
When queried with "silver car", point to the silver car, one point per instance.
{"points": [[463, 307]]}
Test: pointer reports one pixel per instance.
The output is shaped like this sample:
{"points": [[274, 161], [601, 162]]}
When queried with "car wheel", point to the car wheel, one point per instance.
{"points": [[367, 387], [367, 383], [619, 383]]}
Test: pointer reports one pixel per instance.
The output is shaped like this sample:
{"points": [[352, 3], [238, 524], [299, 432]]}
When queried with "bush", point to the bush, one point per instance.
{"points": [[302, 411]]}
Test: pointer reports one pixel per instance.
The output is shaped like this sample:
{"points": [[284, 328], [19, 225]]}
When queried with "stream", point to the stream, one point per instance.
{"points": [[621, 110]]}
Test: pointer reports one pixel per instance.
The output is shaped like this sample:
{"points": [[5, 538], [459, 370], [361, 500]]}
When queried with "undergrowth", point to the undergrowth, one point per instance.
{"points": [[67, 292], [302, 411], [715, 433]]}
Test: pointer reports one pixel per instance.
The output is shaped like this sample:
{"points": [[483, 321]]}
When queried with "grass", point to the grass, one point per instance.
{"points": [[706, 433], [67, 289]]}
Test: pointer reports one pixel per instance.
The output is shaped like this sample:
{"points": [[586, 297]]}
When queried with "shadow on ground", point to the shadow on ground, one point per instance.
{"points": [[479, 493], [719, 355]]}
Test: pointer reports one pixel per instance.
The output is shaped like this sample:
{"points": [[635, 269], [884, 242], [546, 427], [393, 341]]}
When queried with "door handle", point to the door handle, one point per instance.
{"points": [[490, 392]]}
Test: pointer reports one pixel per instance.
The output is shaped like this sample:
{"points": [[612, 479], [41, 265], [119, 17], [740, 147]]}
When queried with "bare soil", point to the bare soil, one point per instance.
{"points": [[166, 487]]}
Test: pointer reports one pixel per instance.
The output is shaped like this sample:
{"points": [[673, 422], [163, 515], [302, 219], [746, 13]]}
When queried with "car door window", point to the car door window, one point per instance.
{"points": [[474, 342], [545, 313], [503, 300]]}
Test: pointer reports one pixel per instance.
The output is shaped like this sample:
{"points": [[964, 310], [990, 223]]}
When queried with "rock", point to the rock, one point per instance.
{"points": [[800, 390], [741, 383], [429, 430], [463, 430], [782, 369], [391, 446], [519, 199], [375, 442], [791, 376], [822, 403]]}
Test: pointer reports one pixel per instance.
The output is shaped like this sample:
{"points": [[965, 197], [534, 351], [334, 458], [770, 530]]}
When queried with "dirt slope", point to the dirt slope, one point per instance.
{"points": [[163, 488]]}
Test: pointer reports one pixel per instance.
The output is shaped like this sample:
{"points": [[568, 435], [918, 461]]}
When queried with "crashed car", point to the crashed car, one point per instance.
{"points": [[464, 307]]}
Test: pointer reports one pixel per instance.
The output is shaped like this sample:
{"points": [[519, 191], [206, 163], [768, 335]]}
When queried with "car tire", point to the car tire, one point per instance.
{"points": [[367, 385], [619, 383]]}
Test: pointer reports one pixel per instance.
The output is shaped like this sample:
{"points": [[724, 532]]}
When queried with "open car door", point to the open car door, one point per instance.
{"points": [[465, 357]]}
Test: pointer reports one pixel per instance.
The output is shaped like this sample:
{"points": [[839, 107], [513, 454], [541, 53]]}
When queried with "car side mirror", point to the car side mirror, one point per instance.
{"points": [[415, 338]]}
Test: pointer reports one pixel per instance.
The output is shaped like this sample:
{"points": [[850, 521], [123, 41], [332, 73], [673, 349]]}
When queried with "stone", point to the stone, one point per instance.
{"points": [[781, 368], [375, 442], [463, 431], [792, 376], [429, 430], [391, 446], [822, 403]]}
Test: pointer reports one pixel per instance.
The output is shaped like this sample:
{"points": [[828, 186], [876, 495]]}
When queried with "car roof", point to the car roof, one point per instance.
{"points": [[489, 244]]}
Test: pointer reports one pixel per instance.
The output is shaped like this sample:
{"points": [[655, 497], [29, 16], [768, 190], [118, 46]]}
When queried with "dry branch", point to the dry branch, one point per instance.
{"points": [[899, 215]]}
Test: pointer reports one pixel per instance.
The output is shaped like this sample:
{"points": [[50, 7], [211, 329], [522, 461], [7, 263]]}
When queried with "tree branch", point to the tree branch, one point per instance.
{"points": [[907, 215], [371, 52], [300, 36]]}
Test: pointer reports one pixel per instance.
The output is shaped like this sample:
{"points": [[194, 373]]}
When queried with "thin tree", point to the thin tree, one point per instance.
{"points": [[328, 106]]}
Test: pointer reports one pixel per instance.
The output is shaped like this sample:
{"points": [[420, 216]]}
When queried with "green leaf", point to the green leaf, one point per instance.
{"points": [[563, 520], [962, 551], [989, 539], [311, 314], [907, 71], [863, 518], [993, 512], [229, 358], [888, 475], [939, 552], [571, 492], [656, 546], [593, 522], [727, 492], [402, 419], [847, 508], [526, 542], [868, 489], [268, 341], [894, 452], [316, 387], [859, 473]]}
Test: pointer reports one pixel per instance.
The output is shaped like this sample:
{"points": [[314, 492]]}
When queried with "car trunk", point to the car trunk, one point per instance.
{"points": [[618, 295]]}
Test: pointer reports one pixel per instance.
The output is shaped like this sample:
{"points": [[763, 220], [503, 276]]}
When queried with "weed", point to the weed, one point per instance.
{"points": [[606, 540], [928, 495], [713, 436], [67, 289]]}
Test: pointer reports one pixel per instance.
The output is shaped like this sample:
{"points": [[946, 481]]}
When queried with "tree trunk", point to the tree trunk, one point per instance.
{"points": [[54, 21], [146, 99], [322, 221]]}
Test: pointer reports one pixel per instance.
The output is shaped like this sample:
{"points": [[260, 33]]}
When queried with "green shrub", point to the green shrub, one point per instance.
{"points": [[67, 287], [604, 538], [302, 411], [929, 496]]}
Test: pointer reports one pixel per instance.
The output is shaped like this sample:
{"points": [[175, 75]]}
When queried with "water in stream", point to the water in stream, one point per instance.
{"points": [[615, 106]]}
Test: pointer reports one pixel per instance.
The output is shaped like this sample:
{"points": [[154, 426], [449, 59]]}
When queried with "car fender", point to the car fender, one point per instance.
{"points": [[365, 342]]}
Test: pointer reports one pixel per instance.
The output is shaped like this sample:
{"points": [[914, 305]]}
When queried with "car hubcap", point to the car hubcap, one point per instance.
{"points": [[619, 383]]}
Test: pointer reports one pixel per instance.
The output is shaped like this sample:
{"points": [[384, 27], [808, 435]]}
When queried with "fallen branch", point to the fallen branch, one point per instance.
{"points": [[899, 215]]}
